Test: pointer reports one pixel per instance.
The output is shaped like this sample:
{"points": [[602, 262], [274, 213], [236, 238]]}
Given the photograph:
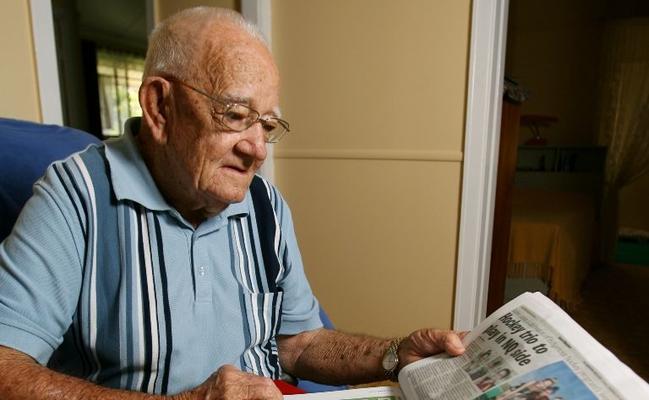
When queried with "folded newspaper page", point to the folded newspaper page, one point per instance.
{"points": [[529, 349]]}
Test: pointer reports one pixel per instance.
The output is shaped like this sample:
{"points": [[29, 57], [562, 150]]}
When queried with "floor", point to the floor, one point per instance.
{"points": [[615, 310]]}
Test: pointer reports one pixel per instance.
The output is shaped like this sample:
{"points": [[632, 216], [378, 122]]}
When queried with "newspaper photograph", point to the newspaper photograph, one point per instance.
{"points": [[553, 381]]}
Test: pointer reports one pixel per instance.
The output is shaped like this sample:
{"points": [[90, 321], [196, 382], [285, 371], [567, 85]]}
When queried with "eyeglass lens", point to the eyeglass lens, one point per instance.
{"points": [[238, 117]]}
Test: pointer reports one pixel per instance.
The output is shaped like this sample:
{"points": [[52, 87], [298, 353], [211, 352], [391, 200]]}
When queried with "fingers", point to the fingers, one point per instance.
{"points": [[453, 343], [427, 342], [229, 383]]}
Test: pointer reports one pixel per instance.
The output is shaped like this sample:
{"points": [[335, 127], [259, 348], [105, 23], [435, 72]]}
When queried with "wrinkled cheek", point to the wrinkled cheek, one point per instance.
{"points": [[209, 180]]}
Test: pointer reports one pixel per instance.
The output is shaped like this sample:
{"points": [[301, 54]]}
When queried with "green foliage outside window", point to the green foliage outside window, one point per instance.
{"points": [[119, 76]]}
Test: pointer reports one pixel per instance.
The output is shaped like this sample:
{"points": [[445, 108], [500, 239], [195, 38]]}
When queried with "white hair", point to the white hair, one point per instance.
{"points": [[174, 42]]}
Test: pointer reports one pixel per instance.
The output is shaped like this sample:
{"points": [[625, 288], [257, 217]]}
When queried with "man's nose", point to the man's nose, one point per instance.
{"points": [[254, 142]]}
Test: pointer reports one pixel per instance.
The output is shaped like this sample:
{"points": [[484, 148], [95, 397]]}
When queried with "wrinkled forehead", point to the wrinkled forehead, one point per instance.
{"points": [[233, 58]]}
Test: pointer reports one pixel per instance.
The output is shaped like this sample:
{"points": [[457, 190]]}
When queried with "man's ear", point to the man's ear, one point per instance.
{"points": [[155, 95]]}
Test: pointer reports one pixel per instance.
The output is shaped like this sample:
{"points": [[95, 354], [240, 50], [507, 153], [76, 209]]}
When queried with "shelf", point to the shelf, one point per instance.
{"points": [[568, 159], [561, 168]]}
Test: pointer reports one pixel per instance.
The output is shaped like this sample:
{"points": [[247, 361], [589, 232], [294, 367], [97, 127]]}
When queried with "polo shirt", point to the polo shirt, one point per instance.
{"points": [[103, 279]]}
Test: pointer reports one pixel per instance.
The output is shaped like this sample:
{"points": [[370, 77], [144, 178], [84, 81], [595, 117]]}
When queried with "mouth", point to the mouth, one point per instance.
{"points": [[235, 169]]}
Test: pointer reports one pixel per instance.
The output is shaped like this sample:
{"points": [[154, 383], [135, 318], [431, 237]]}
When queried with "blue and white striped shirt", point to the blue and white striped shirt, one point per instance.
{"points": [[102, 279]]}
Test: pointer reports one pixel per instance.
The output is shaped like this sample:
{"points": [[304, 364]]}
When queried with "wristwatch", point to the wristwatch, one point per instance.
{"points": [[391, 359]]}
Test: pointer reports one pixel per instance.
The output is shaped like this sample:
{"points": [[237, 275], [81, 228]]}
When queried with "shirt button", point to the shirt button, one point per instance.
{"points": [[201, 270]]}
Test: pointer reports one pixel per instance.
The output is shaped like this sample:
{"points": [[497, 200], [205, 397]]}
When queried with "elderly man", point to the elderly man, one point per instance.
{"points": [[160, 265]]}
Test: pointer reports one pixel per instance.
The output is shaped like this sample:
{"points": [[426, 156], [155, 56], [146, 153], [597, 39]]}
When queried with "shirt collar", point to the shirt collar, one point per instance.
{"points": [[131, 179]]}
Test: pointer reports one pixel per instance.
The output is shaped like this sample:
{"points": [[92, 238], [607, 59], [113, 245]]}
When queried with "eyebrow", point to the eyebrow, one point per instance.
{"points": [[233, 99], [275, 112]]}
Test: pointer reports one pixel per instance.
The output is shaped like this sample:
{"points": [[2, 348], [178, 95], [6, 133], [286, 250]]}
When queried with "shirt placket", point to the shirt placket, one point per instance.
{"points": [[201, 269]]}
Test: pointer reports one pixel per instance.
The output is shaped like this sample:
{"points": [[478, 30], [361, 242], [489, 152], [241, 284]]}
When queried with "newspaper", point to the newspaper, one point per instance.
{"points": [[529, 349]]}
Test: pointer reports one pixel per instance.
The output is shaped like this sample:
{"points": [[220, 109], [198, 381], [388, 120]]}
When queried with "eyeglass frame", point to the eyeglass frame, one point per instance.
{"points": [[283, 123]]}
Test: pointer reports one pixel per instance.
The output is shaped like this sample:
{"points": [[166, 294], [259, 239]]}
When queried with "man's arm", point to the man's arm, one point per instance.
{"points": [[334, 357], [22, 378]]}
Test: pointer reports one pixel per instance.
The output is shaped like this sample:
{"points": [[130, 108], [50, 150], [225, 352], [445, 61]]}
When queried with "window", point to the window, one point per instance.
{"points": [[119, 77]]}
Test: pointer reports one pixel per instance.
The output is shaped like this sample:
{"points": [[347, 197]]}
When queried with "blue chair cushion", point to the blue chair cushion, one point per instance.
{"points": [[26, 150]]}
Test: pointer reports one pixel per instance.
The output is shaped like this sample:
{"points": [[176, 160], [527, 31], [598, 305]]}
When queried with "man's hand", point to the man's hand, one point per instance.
{"points": [[231, 384], [427, 342]]}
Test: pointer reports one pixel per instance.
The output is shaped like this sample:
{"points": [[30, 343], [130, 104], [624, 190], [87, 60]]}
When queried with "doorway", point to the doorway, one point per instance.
{"points": [[554, 208], [100, 52]]}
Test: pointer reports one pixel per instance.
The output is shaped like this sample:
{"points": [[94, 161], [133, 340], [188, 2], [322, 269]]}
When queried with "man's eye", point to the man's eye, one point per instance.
{"points": [[234, 115], [269, 125]]}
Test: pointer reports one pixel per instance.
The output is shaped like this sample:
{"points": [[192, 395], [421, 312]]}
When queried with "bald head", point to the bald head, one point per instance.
{"points": [[186, 42]]}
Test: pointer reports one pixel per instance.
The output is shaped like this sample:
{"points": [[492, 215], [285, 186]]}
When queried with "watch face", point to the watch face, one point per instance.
{"points": [[390, 361]]}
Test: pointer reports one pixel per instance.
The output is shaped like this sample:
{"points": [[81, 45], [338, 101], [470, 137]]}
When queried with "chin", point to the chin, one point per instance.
{"points": [[234, 196], [228, 191], [237, 199]]}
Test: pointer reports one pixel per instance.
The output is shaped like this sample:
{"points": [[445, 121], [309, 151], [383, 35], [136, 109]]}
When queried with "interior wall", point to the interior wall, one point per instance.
{"points": [[375, 93], [18, 79], [553, 50]]}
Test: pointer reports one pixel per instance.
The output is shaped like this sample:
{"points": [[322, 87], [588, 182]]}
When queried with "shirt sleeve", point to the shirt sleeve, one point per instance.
{"points": [[300, 308], [40, 271]]}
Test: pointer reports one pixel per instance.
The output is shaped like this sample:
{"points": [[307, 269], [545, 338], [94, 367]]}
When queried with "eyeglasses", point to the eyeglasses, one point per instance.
{"points": [[239, 117]]}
